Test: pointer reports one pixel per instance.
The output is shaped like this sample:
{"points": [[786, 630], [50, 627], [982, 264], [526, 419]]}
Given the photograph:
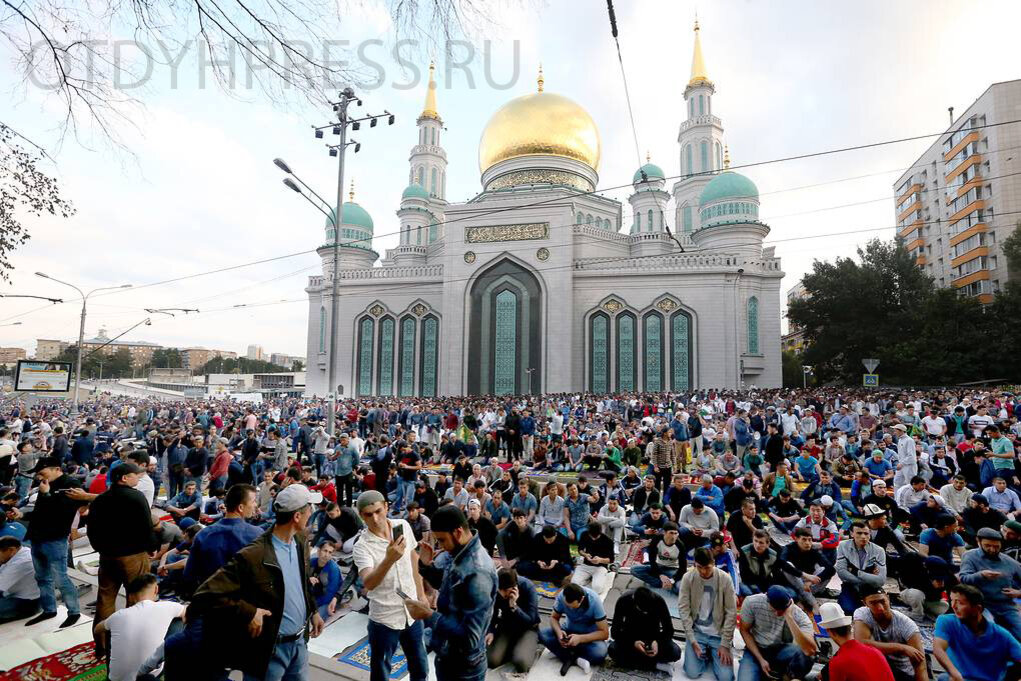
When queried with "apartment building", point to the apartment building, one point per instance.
{"points": [[962, 197], [46, 349], [794, 339], [10, 356], [141, 351], [195, 358]]}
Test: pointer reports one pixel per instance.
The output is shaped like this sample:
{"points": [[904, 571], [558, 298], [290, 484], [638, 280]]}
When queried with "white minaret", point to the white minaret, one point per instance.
{"points": [[701, 143]]}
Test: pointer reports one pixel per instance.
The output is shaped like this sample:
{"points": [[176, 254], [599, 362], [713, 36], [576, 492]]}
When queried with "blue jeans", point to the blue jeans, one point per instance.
{"points": [[473, 669], [695, 666], [50, 561], [650, 575], [383, 642], [12, 608], [1009, 619], [593, 651], [288, 663], [745, 590], [21, 485], [787, 658], [405, 495], [848, 599]]}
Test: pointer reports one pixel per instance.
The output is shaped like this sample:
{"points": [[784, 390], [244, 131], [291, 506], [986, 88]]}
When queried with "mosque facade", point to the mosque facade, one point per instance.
{"points": [[539, 284]]}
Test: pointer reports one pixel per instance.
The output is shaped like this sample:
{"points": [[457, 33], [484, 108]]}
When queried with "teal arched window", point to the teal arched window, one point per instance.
{"points": [[406, 357], [588, 219], [432, 179], [627, 363], [719, 156], [365, 332], [686, 219], [753, 326], [687, 160], [580, 219], [385, 357], [638, 221], [428, 356], [691, 108], [701, 105], [322, 329], [704, 148], [652, 352], [505, 344], [651, 222], [420, 177], [680, 351], [599, 353]]}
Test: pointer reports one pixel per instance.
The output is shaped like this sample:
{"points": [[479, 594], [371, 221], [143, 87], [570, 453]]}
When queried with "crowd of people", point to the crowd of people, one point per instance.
{"points": [[239, 531]]}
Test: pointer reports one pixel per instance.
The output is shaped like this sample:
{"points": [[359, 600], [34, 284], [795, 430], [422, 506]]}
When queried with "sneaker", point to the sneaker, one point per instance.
{"points": [[565, 667], [665, 667], [585, 665]]}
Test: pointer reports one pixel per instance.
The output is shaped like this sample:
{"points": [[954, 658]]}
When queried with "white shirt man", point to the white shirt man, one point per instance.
{"points": [[17, 576], [907, 461], [146, 486], [136, 632], [934, 425]]}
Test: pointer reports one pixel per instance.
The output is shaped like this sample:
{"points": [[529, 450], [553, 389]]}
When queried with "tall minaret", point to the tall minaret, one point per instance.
{"points": [[428, 159], [701, 142]]}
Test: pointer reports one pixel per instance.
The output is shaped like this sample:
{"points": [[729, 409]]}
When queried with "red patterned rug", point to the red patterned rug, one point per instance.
{"points": [[634, 553], [74, 664]]}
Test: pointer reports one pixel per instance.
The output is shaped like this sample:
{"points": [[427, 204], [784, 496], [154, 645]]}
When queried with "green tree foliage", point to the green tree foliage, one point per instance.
{"points": [[105, 363], [297, 365], [241, 365], [793, 370], [166, 358], [881, 305]]}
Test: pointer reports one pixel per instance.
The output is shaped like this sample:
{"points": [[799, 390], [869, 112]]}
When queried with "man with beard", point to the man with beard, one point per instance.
{"points": [[997, 576], [216, 544]]}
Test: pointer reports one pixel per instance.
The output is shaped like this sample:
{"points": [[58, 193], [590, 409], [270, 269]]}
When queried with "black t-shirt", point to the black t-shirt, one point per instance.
{"points": [[598, 547], [739, 529], [411, 458], [487, 532]]}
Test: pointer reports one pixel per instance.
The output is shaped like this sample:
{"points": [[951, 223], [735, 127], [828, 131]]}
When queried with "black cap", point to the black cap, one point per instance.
{"points": [[46, 462]]}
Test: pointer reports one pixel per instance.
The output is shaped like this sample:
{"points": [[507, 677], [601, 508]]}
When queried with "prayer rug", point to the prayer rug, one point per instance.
{"points": [[547, 589], [634, 553], [78, 663], [359, 655]]}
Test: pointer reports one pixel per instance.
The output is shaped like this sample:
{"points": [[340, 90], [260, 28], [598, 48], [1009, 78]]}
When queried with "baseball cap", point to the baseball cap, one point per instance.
{"points": [[474, 502], [295, 498], [872, 510], [1013, 525], [832, 615], [826, 500], [46, 462], [779, 596], [900, 426]]}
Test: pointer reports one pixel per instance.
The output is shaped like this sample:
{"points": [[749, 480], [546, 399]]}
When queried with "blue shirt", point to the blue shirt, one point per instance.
{"points": [[941, 547], [294, 592], [583, 619], [214, 545], [464, 606], [578, 511], [527, 504], [498, 514], [806, 465], [977, 657], [347, 462], [878, 468]]}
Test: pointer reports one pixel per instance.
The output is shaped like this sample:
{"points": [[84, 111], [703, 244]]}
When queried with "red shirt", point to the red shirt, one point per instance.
{"points": [[98, 485], [856, 661]]}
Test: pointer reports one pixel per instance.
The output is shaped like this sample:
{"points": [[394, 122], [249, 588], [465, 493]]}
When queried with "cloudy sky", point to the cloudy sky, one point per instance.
{"points": [[199, 191]]}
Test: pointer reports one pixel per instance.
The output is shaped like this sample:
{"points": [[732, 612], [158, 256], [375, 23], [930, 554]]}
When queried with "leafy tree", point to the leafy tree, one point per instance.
{"points": [[241, 365], [25, 190], [166, 358], [297, 365], [793, 370]]}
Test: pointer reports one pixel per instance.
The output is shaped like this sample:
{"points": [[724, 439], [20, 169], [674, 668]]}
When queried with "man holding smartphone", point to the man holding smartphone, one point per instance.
{"points": [[387, 560]]}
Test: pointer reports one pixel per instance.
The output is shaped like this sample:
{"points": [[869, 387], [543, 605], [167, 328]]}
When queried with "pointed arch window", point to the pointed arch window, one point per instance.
{"points": [[365, 332], [687, 159], [385, 357], [406, 357], [588, 219], [433, 182], [652, 353], [428, 355], [505, 342], [599, 353], [322, 329], [753, 326], [686, 219], [680, 351], [701, 105], [705, 155], [651, 221], [420, 177], [719, 156], [627, 365], [580, 219], [638, 222]]}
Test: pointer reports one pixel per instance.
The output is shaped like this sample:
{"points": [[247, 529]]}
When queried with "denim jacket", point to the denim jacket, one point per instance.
{"points": [[465, 605]]}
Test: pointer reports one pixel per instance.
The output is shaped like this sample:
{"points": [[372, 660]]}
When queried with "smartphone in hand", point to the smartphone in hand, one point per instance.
{"points": [[404, 595], [398, 532]]}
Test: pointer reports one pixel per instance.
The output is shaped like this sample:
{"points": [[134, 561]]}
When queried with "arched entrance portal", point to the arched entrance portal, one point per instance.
{"points": [[505, 331]]}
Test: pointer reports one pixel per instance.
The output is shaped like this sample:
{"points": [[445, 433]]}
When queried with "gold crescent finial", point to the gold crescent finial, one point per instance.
{"points": [[540, 80], [726, 156], [648, 159], [351, 194]]}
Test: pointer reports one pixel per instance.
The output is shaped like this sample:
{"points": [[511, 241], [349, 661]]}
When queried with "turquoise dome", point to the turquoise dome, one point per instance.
{"points": [[415, 191], [352, 214], [652, 171], [728, 185]]}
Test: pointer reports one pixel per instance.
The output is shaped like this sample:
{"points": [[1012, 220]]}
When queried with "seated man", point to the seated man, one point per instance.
{"points": [[968, 645], [891, 633], [997, 576], [784, 511], [853, 661], [708, 609], [514, 628], [326, 580], [643, 632], [596, 551], [942, 540], [710, 494], [667, 561], [187, 504], [548, 558], [767, 620], [20, 591], [696, 523], [756, 564], [923, 586], [652, 522], [578, 630], [860, 563], [611, 518], [805, 568], [515, 540], [137, 631]]}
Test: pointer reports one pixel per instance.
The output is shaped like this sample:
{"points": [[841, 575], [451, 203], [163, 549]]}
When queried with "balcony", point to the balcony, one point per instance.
{"points": [[706, 119], [921, 260], [980, 275], [910, 190], [915, 205], [976, 252], [961, 144], [907, 229], [972, 160], [977, 204], [917, 243], [968, 233]]}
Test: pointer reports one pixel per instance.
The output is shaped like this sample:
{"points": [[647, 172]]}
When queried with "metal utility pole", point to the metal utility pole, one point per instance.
{"points": [[81, 333], [338, 128]]}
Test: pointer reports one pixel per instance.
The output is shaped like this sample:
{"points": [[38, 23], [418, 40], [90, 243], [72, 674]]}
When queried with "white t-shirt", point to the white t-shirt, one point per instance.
{"points": [[135, 633]]}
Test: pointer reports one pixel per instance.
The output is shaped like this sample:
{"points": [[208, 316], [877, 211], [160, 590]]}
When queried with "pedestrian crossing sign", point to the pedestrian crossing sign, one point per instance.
{"points": [[870, 380]]}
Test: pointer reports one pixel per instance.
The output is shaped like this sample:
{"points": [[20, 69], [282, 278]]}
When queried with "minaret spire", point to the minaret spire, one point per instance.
{"points": [[351, 194], [726, 157], [540, 80], [699, 76], [429, 110]]}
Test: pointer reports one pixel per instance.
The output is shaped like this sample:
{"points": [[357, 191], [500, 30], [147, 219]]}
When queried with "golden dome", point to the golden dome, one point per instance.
{"points": [[541, 123]]}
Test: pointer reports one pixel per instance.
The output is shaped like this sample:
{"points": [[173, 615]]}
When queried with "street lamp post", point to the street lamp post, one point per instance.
{"points": [[805, 371], [529, 371], [339, 150], [81, 332]]}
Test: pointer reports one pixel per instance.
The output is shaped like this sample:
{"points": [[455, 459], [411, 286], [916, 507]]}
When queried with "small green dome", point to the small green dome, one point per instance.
{"points": [[415, 191], [352, 214], [652, 172], [728, 185]]}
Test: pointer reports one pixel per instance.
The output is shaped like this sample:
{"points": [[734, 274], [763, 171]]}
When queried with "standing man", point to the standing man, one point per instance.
{"points": [[260, 604], [120, 529], [907, 460], [708, 609], [465, 603], [387, 562], [213, 546], [48, 532], [764, 620], [346, 461]]}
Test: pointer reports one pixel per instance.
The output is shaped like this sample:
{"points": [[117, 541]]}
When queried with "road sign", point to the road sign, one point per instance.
{"points": [[870, 380], [870, 365]]}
